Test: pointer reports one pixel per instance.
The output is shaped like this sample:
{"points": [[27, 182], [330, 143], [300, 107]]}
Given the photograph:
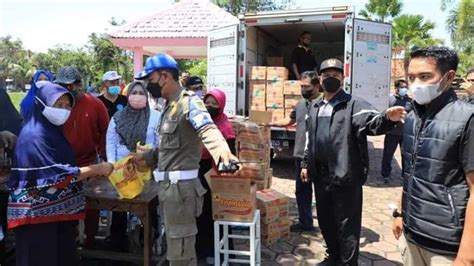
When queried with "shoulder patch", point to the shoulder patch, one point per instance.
{"points": [[198, 115]]}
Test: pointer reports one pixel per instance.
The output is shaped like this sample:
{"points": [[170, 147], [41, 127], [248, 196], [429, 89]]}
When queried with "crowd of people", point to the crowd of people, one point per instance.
{"points": [[65, 136]]}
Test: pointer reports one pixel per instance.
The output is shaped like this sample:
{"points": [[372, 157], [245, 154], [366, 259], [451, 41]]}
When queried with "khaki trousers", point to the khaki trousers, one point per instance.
{"points": [[181, 203], [414, 255]]}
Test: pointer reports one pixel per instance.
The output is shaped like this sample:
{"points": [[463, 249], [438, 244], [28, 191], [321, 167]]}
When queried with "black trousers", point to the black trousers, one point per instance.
{"points": [[340, 218], [389, 147], [304, 194]]}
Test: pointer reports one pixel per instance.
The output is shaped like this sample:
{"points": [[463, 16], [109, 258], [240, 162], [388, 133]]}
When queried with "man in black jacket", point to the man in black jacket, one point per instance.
{"points": [[336, 159], [310, 90], [437, 217], [394, 138]]}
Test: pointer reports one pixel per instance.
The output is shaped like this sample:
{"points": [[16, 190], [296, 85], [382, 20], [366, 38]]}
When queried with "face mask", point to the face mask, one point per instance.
{"points": [[213, 111], [403, 91], [114, 90], [199, 93], [425, 93], [331, 84], [307, 93], [57, 116], [154, 88], [40, 83], [137, 101]]}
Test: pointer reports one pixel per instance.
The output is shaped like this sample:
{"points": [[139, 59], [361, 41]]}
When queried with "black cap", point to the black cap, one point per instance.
{"points": [[192, 81]]}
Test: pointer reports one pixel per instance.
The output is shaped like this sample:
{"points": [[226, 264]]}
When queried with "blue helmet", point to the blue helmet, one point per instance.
{"points": [[157, 62]]}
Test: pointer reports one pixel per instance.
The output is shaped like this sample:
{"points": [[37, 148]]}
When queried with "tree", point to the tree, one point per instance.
{"points": [[109, 57], [460, 25], [411, 31], [13, 61], [382, 10], [236, 7]]}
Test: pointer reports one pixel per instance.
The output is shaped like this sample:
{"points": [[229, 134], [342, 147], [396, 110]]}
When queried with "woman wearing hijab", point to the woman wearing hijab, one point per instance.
{"points": [[215, 104], [10, 126], [40, 78], [136, 123], [46, 191]]}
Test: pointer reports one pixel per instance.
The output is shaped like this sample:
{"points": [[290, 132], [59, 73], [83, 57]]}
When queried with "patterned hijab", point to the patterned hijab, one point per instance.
{"points": [[131, 124]]}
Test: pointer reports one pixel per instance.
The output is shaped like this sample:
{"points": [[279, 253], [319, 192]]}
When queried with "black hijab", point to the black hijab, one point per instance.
{"points": [[10, 119]]}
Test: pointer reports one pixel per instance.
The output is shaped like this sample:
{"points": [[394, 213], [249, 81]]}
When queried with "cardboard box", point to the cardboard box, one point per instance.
{"points": [[277, 113], [257, 89], [257, 95], [274, 87], [233, 198], [275, 61], [250, 132], [270, 178], [260, 117], [280, 226], [291, 101], [254, 152], [256, 171], [274, 93], [258, 73], [277, 73], [258, 107], [272, 232], [254, 155], [261, 184], [292, 87], [271, 198]]}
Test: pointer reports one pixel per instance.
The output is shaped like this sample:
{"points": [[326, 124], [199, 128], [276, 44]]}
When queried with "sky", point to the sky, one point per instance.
{"points": [[43, 24]]}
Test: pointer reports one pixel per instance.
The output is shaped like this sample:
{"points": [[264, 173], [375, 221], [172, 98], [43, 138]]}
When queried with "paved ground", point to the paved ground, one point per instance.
{"points": [[378, 245]]}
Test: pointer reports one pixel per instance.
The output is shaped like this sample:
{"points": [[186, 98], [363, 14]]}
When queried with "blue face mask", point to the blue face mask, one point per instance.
{"points": [[403, 91], [114, 90]]}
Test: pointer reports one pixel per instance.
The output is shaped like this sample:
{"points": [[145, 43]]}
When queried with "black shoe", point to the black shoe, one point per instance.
{"points": [[386, 179], [301, 228]]}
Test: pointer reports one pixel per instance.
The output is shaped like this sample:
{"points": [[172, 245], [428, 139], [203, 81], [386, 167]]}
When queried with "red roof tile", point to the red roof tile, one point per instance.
{"points": [[189, 18]]}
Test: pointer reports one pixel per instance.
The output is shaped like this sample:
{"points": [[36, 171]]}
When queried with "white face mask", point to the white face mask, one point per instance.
{"points": [[425, 93], [57, 116], [40, 83]]}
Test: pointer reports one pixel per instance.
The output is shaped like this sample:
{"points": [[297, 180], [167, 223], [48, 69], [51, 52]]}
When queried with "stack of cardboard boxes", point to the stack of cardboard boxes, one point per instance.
{"points": [[275, 223], [270, 90], [253, 148]]}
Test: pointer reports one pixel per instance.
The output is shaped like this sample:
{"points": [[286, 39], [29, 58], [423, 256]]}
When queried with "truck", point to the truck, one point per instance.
{"points": [[363, 46]]}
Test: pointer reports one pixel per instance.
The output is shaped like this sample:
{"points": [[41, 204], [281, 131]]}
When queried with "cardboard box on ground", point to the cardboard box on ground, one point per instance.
{"points": [[274, 209]]}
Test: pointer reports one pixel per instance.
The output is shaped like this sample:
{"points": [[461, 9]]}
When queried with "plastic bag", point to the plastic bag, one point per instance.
{"points": [[127, 179]]}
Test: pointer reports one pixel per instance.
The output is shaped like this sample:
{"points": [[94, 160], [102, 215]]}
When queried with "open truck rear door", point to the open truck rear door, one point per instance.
{"points": [[371, 62], [222, 64]]}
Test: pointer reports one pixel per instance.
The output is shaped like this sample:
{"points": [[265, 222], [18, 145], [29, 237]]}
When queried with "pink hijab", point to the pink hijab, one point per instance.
{"points": [[221, 120]]}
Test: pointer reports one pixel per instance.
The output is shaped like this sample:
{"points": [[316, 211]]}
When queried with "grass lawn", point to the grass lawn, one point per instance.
{"points": [[16, 98]]}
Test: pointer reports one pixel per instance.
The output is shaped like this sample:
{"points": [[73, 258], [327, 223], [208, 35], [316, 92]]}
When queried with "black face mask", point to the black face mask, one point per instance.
{"points": [[331, 84], [154, 89], [213, 111], [307, 93]]}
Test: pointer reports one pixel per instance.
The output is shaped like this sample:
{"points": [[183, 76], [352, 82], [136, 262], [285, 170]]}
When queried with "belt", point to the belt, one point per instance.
{"points": [[175, 176]]}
